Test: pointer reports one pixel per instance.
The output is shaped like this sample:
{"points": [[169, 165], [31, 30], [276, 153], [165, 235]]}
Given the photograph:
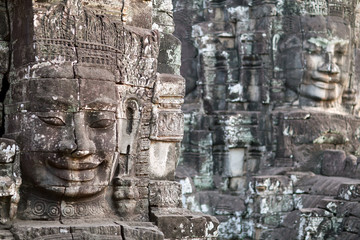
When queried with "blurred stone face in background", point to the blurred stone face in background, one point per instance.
{"points": [[316, 63], [326, 71]]}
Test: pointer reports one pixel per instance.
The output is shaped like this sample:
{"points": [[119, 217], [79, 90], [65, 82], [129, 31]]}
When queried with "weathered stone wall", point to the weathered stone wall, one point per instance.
{"points": [[5, 55], [92, 98], [271, 116]]}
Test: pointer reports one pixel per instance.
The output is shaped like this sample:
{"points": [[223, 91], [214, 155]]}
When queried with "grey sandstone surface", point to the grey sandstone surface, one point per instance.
{"points": [[271, 133], [91, 122]]}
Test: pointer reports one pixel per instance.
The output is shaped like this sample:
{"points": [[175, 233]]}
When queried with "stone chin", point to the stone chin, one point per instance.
{"points": [[75, 191]]}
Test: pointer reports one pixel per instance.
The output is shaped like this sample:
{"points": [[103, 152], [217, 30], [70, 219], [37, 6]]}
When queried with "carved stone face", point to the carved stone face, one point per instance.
{"points": [[327, 64], [316, 63], [69, 139]]}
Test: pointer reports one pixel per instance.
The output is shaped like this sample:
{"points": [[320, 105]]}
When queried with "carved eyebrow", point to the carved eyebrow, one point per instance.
{"points": [[323, 42], [57, 102], [106, 104], [342, 44], [57, 99], [319, 41]]}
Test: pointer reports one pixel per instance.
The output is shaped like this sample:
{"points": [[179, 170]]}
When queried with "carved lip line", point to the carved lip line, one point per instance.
{"points": [[73, 175], [325, 78], [75, 164], [326, 86]]}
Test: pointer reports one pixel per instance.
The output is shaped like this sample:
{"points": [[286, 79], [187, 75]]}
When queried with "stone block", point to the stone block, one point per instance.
{"points": [[92, 99], [8, 149], [273, 220], [163, 22], [168, 125], [169, 55], [169, 89], [313, 23], [235, 163], [315, 222], [137, 13], [322, 185], [227, 42], [238, 184], [112, 8], [278, 233], [350, 192], [4, 55], [46, 95], [264, 10], [4, 23], [333, 162], [93, 71], [141, 232], [352, 224], [307, 200], [164, 194], [163, 159], [270, 185], [179, 223], [348, 236], [270, 204]]}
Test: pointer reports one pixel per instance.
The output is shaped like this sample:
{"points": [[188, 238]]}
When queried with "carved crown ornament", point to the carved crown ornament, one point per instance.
{"points": [[73, 36]]}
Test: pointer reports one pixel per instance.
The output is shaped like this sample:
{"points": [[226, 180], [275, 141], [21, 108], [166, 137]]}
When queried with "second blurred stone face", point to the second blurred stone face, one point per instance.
{"points": [[68, 141], [316, 63], [327, 68]]}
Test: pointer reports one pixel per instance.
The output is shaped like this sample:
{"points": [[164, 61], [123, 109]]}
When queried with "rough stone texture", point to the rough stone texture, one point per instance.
{"points": [[271, 115], [92, 122]]}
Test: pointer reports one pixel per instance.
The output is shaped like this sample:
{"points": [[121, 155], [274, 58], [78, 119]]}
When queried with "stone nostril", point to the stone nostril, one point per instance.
{"points": [[67, 146]]}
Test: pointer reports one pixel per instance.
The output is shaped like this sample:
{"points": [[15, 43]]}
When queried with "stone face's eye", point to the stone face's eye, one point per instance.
{"points": [[313, 49], [54, 121], [103, 123]]}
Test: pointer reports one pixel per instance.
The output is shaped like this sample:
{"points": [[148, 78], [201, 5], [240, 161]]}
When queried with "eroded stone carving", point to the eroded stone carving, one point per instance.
{"points": [[271, 115], [87, 107], [316, 64]]}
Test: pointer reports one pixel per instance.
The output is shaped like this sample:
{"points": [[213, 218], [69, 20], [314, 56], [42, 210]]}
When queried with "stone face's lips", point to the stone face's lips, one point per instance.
{"points": [[326, 78], [74, 169], [326, 86], [77, 164], [73, 175]]}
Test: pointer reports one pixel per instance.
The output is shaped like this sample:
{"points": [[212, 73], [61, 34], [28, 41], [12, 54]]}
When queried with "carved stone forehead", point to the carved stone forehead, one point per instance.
{"points": [[65, 95], [321, 24], [307, 27]]}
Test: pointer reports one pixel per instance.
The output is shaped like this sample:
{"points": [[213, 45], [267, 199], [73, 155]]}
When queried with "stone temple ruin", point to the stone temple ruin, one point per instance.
{"points": [[271, 142], [94, 107], [91, 122]]}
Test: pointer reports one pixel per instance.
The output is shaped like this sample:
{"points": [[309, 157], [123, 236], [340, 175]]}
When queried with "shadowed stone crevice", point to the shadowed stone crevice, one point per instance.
{"points": [[5, 69]]}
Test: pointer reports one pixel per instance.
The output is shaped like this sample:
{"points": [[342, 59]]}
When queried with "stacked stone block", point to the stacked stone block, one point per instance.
{"points": [[248, 122]]}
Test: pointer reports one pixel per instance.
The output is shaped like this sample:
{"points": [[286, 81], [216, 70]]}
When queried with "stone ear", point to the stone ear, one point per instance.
{"points": [[128, 126]]}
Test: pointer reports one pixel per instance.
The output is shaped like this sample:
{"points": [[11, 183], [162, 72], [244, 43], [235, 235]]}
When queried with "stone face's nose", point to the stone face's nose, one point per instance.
{"points": [[80, 153], [84, 146], [329, 65]]}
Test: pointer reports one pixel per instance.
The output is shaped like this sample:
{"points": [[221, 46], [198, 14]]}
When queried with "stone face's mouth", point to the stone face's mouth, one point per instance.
{"points": [[325, 78], [73, 175], [325, 81], [68, 163], [74, 170], [325, 86]]}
